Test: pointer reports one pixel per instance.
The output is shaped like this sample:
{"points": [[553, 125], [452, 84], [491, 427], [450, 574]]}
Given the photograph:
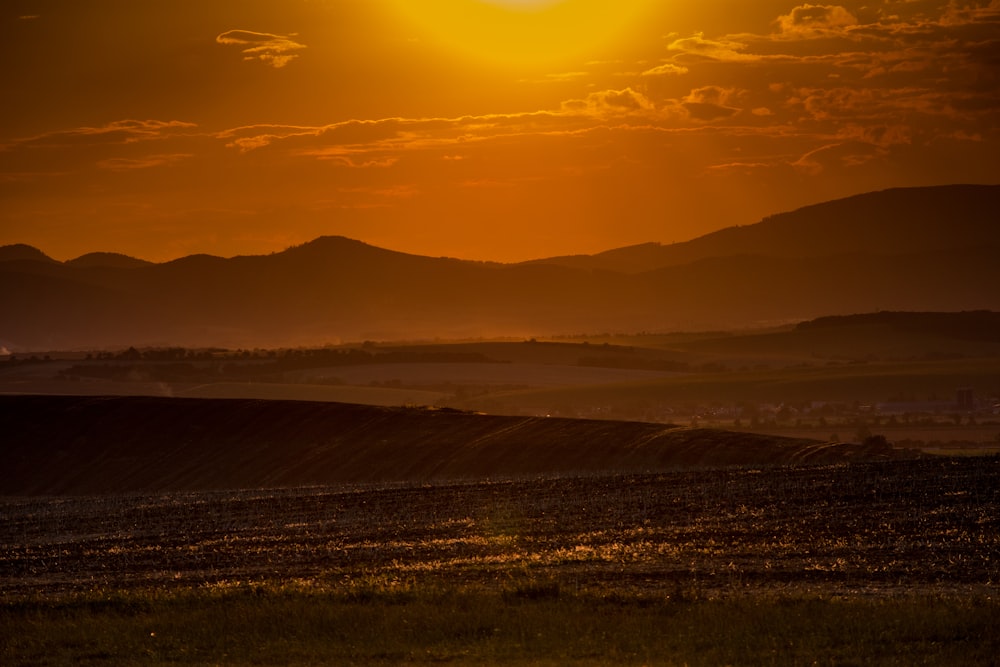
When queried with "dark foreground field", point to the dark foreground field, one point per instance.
{"points": [[100, 445], [891, 562]]}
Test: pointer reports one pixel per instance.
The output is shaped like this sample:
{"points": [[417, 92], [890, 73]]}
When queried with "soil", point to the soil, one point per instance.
{"points": [[878, 528]]}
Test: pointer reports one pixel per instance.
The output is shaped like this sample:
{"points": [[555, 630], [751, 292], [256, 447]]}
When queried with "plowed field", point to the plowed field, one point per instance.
{"points": [[864, 527]]}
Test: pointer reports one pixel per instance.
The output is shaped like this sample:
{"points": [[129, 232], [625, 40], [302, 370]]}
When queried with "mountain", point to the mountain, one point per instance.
{"points": [[889, 222], [112, 260], [22, 252], [925, 249]]}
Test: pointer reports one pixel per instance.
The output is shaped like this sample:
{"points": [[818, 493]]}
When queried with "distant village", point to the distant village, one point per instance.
{"points": [[965, 408]]}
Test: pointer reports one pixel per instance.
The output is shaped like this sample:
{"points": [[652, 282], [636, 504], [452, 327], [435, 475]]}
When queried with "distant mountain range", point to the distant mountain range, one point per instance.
{"points": [[922, 249]]}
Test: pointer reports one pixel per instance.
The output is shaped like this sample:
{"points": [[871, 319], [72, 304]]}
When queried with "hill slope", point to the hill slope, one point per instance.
{"points": [[69, 445], [889, 222]]}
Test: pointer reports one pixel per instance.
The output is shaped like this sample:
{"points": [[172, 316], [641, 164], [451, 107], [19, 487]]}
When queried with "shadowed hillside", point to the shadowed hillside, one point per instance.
{"points": [[68, 445]]}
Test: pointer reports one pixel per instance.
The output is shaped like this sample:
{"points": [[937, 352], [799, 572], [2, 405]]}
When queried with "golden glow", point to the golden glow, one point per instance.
{"points": [[523, 32], [523, 4], [485, 129]]}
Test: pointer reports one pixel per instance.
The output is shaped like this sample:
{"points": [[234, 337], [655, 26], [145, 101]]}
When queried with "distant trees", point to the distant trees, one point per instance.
{"points": [[876, 443], [178, 364]]}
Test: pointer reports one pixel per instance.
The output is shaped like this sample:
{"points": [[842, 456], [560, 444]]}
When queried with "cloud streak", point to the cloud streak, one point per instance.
{"points": [[117, 132], [146, 162], [268, 48]]}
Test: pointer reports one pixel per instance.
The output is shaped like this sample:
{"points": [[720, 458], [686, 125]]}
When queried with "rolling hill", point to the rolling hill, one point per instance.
{"points": [[926, 249], [98, 445]]}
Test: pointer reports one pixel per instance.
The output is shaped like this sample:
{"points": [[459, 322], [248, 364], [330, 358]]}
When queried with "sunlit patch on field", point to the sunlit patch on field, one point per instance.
{"points": [[877, 527]]}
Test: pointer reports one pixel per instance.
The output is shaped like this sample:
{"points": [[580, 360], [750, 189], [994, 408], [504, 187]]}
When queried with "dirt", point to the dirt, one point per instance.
{"points": [[878, 528]]}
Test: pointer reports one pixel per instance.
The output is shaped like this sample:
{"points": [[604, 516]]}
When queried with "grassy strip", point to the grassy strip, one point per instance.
{"points": [[534, 623]]}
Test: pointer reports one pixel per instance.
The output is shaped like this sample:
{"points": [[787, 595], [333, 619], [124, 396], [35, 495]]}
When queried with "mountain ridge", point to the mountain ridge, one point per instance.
{"points": [[818, 229], [965, 203], [334, 288]]}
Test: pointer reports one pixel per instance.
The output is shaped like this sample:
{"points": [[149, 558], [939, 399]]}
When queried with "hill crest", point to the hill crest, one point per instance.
{"points": [[70, 445], [893, 221]]}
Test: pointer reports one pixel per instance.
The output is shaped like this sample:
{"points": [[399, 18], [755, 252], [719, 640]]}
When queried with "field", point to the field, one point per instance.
{"points": [[860, 372], [815, 495], [891, 562]]}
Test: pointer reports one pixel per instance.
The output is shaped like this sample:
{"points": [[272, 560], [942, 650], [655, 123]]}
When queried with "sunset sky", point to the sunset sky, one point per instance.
{"points": [[501, 130]]}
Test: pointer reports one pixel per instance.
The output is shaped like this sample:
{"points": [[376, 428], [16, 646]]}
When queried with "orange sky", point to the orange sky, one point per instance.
{"points": [[483, 130]]}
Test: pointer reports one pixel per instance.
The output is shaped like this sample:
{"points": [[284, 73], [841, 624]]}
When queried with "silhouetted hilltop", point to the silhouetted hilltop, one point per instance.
{"points": [[916, 249], [112, 260], [72, 445], [890, 222], [22, 252]]}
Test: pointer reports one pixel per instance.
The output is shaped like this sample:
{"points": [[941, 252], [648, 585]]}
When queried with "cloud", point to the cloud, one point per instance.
{"points": [[882, 136], [711, 103], [404, 191], [348, 161], [567, 76], [117, 146], [274, 50], [843, 154], [117, 132], [723, 49], [379, 139], [964, 13], [610, 103], [251, 137], [745, 167], [815, 21], [666, 69], [126, 164]]}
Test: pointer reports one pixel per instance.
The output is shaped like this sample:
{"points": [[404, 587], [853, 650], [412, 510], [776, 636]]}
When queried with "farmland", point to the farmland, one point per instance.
{"points": [[708, 566], [824, 494], [835, 374]]}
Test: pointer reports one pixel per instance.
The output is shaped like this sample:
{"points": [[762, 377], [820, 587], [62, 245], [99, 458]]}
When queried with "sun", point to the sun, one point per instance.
{"points": [[523, 32]]}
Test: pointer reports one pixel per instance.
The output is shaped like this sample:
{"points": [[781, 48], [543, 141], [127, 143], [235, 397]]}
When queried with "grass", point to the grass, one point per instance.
{"points": [[529, 623]]}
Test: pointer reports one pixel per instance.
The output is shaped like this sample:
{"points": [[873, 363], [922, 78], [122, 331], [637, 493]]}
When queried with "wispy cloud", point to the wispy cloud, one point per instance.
{"points": [[698, 47], [271, 49], [126, 164], [666, 69], [117, 146], [120, 132], [838, 155]]}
